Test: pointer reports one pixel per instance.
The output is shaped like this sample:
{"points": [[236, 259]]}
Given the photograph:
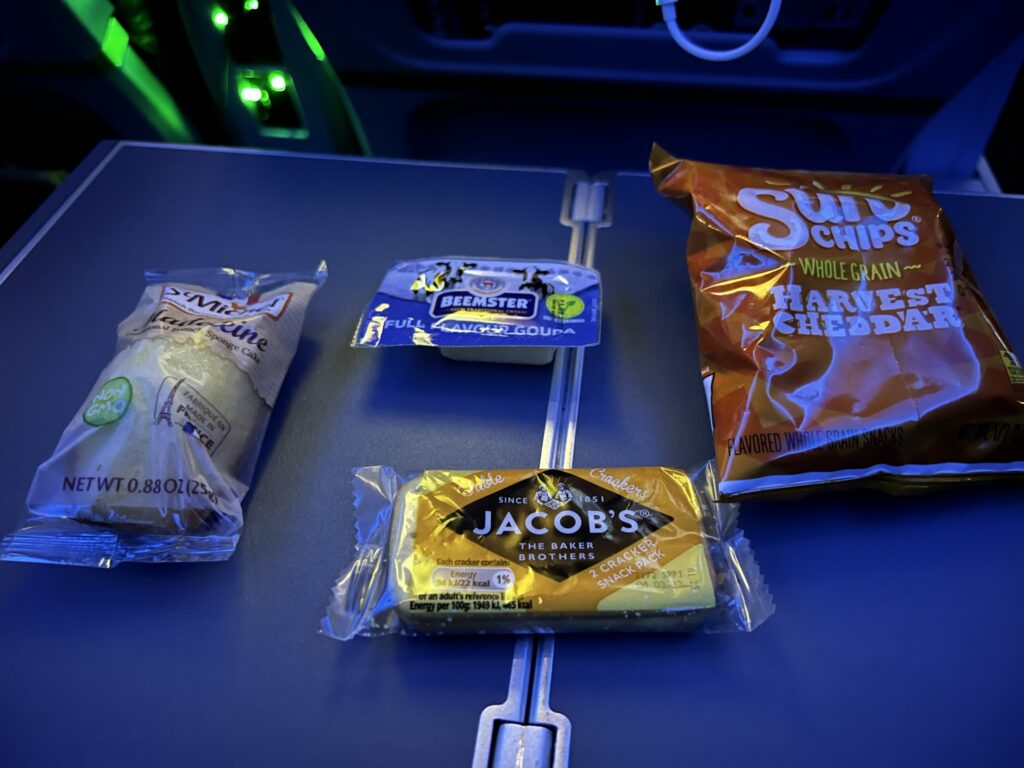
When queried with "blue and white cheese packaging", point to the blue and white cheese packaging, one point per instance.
{"points": [[490, 310]]}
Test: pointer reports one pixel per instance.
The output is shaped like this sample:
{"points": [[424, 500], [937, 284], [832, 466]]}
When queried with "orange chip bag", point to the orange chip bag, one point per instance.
{"points": [[843, 338]]}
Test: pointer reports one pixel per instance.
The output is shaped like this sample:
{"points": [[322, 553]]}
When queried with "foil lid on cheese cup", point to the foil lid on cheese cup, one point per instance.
{"points": [[492, 310]]}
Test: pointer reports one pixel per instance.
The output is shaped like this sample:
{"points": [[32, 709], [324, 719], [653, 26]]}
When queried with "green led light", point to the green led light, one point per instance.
{"points": [[307, 35], [134, 78], [277, 81], [251, 5], [115, 42], [251, 94], [219, 17]]}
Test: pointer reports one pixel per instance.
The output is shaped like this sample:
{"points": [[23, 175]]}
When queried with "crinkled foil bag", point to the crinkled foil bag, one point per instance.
{"points": [[155, 464], [843, 337]]}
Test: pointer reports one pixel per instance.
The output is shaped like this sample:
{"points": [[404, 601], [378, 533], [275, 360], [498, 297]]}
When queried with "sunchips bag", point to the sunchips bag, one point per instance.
{"points": [[843, 338], [154, 465]]}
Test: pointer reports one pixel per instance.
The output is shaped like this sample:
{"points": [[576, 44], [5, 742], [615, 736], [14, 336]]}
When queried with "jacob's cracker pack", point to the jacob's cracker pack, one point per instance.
{"points": [[843, 337], [524, 550]]}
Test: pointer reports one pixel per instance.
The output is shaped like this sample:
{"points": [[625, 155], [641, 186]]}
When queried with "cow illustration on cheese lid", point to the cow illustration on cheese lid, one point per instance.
{"points": [[843, 337], [488, 310]]}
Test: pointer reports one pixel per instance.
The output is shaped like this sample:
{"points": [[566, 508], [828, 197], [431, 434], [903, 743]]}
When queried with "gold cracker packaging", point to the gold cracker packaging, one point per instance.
{"points": [[528, 550], [843, 338]]}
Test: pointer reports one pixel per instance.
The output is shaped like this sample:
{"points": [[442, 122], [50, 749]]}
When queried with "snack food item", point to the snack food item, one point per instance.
{"points": [[530, 550], [843, 337], [155, 464], [492, 310]]}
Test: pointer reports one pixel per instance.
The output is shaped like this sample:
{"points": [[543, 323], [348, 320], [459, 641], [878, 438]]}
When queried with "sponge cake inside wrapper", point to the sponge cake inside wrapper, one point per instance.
{"points": [[156, 462]]}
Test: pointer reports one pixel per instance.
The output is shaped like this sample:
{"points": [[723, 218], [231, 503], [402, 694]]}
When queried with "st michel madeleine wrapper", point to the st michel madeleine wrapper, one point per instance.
{"points": [[843, 338]]}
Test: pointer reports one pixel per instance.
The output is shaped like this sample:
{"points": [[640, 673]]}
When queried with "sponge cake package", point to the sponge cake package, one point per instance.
{"points": [[843, 338], [527, 550], [154, 465]]}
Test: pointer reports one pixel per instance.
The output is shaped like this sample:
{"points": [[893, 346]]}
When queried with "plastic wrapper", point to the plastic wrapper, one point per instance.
{"points": [[529, 550], [489, 310], [154, 465], [843, 337]]}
